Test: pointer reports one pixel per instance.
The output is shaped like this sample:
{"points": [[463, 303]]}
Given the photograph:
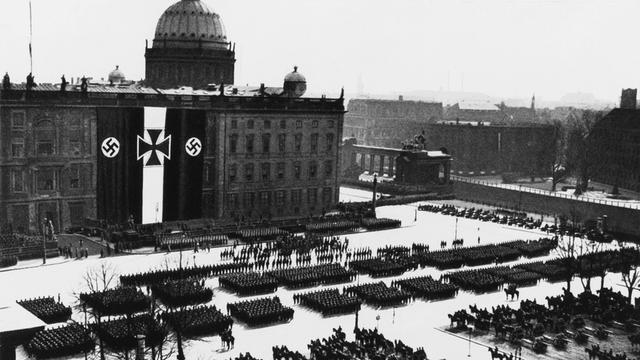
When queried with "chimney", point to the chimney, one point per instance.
{"points": [[628, 100], [400, 98]]}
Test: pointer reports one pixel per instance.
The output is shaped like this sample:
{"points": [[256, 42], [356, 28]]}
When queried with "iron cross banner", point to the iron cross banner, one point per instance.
{"points": [[150, 164]]}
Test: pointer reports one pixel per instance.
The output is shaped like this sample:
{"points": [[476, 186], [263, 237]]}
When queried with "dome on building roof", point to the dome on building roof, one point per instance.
{"points": [[190, 24], [295, 76], [116, 76], [295, 83]]}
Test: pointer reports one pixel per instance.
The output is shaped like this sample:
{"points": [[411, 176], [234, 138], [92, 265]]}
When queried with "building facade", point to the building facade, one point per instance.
{"points": [[262, 157], [387, 123], [614, 142], [75, 151], [479, 149]]}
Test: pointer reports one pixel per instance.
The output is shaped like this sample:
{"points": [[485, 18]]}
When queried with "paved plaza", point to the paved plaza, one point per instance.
{"points": [[417, 324]]}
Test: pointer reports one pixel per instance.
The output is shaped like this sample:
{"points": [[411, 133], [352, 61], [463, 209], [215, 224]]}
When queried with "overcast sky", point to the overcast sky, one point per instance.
{"points": [[504, 48]]}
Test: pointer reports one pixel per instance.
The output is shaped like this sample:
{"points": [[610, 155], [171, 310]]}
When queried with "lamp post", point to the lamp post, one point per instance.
{"points": [[355, 328], [44, 242]]}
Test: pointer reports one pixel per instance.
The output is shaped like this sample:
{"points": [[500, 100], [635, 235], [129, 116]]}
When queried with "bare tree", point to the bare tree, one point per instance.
{"points": [[631, 271], [97, 279], [100, 278], [583, 157], [572, 250]]}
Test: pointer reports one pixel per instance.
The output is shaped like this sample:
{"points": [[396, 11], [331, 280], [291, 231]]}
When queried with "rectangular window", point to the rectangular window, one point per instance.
{"points": [[75, 147], [312, 196], [234, 124], [74, 178], [298, 124], [283, 124], [249, 200], [232, 201], [233, 143], [17, 120], [329, 142], [326, 195], [282, 142], [266, 143], [265, 199], [314, 124], [207, 174], [328, 168], [250, 124], [313, 169], [330, 124], [280, 197], [297, 170], [297, 144], [17, 148], [45, 179], [266, 171], [267, 124], [296, 196], [233, 173], [280, 170], [44, 147], [314, 143], [250, 144], [248, 172], [17, 181]]}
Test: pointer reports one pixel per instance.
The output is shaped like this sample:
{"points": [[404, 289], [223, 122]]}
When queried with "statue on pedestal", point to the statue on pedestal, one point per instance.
{"points": [[6, 82], [63, 84], [30, 81], [84, 86]]}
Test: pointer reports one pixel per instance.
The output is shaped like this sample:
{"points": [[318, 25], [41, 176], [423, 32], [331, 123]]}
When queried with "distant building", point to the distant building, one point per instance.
{"points": [[487, 112], [387, 123], [480, 149], [615, 143]]}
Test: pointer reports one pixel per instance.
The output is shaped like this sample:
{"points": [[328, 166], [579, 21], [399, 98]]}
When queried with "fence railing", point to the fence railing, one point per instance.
{"points": [[521, 188]]}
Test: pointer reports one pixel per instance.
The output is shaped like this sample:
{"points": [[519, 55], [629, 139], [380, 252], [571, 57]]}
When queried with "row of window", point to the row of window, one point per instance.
{"points": [[46, 179], [249, 143], [278, 198], [266, 124], [43, 148], [173, 71], [280, 171], [19, 122]]}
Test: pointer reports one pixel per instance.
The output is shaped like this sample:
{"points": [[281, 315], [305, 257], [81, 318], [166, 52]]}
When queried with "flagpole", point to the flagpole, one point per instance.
{"points": [[30, 38]]}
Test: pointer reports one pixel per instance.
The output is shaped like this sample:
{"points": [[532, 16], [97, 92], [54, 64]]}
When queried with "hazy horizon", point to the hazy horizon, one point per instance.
{"points": [[505, 49]]}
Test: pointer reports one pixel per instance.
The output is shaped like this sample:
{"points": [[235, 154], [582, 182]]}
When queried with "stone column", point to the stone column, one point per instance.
{"points": [[392, 166], [362, 161], [372, 162], [447, 171]]}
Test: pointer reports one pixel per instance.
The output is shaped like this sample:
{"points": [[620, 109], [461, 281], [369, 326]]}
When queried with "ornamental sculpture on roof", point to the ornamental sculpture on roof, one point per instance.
{"points": [[417, 143]]}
